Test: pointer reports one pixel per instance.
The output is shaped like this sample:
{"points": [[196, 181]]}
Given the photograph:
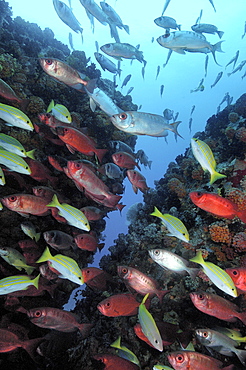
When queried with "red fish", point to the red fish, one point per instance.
{"points": [[48, 193], [238, 276], [96, 278], [216, 306], [217, 205], [87, 180], [8, 93], [138, 181], [141, 283], [44, 132], [54, 318], [124, 304], [190, 360], [26, 204], [125, 160], [57, 162], [88, 242], [76, 140], [113, 362], [40, 172], [93, 213]]}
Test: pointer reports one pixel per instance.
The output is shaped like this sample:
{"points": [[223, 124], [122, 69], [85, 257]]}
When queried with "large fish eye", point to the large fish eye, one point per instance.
{"points": [[205, 334], [13, 198], [107, 46], [87, 271], [156, 252], [180, 358], [108, 304], [235, 272], [200, 296], [48, 61], [38, 313], [124, 270], [77, 165], [123, 116]]}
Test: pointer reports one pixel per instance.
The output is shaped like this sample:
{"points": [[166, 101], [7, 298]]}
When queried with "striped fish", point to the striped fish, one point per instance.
{"points": [[124, 352], [18, 282], [173, 224], [60, 112], [65, 266], [15, 117], [14, 162], [2, 178], [14, 146]]}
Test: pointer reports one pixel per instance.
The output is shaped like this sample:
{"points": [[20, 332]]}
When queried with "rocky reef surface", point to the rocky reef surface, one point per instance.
{"points": [[223, 241]]}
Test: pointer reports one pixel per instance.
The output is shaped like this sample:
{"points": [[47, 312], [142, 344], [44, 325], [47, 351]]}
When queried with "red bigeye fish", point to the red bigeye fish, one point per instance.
{"points": [[93, 213], [138, 181], [96, 278], [88, 242], [217, 205], [113, 362], [26, 204], [238, 276], [8, 93], [125, 160], [40, 172], [76, 140], [141, 283], [216, 306]]}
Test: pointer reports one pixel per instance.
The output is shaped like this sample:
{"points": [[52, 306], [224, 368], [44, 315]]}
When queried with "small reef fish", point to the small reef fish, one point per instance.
{"points": [[125, 160], [126, 80], [182, 41], [206, 65], [8, 93], [123, 50], [171, 261], [157, 72], [200, 87], [140, 282], [220, 343], [220, 74], [114, 17], [14, 146], [66, 15], [14, 258], [65, 267], [95, 10], [138, 181], [70, 40], [112, 171], [15, 117], [238, 68], [88, 242], [173, 224], [14, 162], [238, 275], [120, 146], [233, 60], [93, 213], [96, 278], [30, 230], [103, 101], [124, 304], [124, 352], [26, 204], [129, 90], [205, 157], [57, 319], [184, 360], [143, 158], [214, 305], [217, 205], [167, 22], [207, 28], [62, 72], [161, 90], [106, 63], [60, 112], [72, 215], [19, 282], [217, 275], [140, 123], [76, 140], [148, 326], [111, 362], [59, 240]]}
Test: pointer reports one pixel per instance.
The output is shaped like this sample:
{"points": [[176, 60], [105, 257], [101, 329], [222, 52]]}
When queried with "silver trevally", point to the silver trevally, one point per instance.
{"points": [[120, 146], [96, 11], [140, 123], [103, 101], [207, 28], [166, 22], [120, 50], [67, 16], [182, 41], [15, 117], [114, 17], [14, 162], [106, 63]]}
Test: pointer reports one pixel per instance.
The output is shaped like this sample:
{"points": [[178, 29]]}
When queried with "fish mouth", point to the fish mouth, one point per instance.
{"points": [[60, 131]]}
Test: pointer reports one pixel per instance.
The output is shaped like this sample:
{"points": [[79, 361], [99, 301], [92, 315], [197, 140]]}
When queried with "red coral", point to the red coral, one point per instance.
{"points": [[220, 233]]}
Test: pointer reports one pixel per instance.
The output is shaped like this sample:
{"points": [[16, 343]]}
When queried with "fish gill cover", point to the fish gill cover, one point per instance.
{"points": [[58, 169]]}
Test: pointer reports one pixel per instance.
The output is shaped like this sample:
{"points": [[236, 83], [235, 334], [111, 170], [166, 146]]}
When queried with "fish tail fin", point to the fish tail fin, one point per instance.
{"points": [[85, 329], [116, 343], [174, 128], [120, 206], [198, 258], [126, 28], [242, 215], [35, 281], [193, 272], [220, 34], [216, 47], [24, 104], [156, 213], [28, 269], [91, 85], [179, 27], [30, 154], [216, 176], [31, 345], [54, 202], [45, 256], [37, 237], [241, 354], [50, 106], [100, 153], [241, 316]]}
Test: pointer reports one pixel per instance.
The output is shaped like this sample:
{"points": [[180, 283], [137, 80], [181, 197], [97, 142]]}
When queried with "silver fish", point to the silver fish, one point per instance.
{"points": [[123, 50], [91, 19], [143, 158], [168, 114], [59, 240], [113, 171], [168, 57], [140, 123], [220, 74], [129, 90], [244, 33], [161, 89], [66, 15], [207, 28], [192, 109], [143, 72], [95, 10], [97, 46], [167, 22], [238, 68], [157, 72], [233, 60], [103, 101], [206, 65], [70, 39], [199, 18], [126, 80], [115, 18], [211, 2], [106, 63], [165, 6], [200, 87], [190, 123], [120, 146]]}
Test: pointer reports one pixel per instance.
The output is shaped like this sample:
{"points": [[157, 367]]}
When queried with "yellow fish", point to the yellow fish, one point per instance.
{"points": [[217, 275], [14, 146], [173, 224], [15, 117], [205, 157], [124, 352], [60, 112], [15, 283], [16, 259], [2, 178], [14, 162]]}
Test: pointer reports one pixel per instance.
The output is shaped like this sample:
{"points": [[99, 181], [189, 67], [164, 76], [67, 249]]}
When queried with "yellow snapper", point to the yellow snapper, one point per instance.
{"points": [[205, 157], [29, 229], [16, 259], [14, 146], [60, 112], [2, 178], [73, 215], [149, 326], [14, 162], [217, 275], [124, 352], [15, 117], [171, 261], [233, 334], [66, 267], [173, 224], [162, 367], [17, 282]]}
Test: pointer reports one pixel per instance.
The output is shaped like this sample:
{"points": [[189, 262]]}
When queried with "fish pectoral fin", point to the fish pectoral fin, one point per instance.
{"points": [[23, 214], [92, 105], [179, 50], [70, 148]]}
